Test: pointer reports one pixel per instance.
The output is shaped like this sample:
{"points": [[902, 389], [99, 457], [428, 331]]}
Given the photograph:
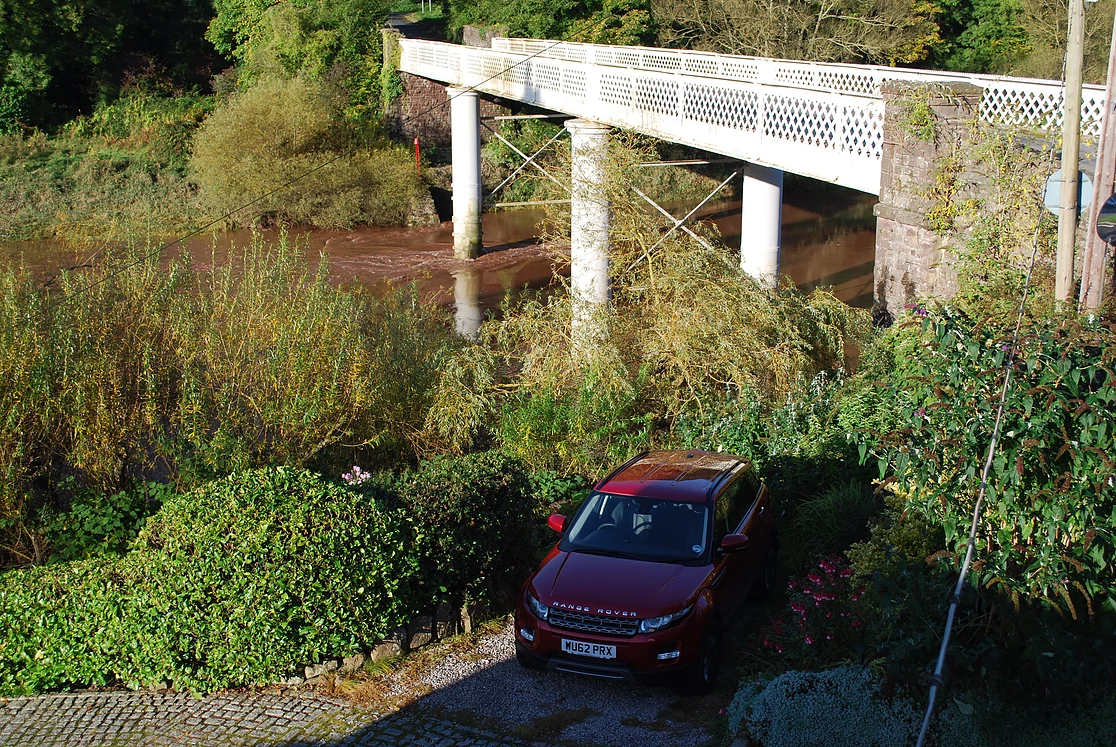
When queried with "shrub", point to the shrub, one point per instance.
{"points": [[235, 583], [833, 521], [99, 523], [826, 618], [842, 706], [282, 130], [976, 719], [476, 525], [1046, 523]]}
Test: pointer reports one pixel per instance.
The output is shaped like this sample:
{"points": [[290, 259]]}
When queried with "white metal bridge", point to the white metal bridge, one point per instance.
{"points": [[820, 120]]}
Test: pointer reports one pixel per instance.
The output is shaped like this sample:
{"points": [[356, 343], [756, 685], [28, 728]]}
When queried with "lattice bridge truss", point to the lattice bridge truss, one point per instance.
{"points": [[819, 120]]}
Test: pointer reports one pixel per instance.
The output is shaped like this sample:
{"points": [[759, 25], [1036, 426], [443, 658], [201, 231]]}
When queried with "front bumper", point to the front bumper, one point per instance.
{"points": [[636, 656]]}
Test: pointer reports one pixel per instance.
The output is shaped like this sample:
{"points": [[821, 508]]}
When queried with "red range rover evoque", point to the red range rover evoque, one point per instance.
{"points": [[650, 570]]}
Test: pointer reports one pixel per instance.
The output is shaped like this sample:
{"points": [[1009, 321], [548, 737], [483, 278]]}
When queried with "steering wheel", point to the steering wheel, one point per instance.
{"points": [[609, 525], [640, 525]]}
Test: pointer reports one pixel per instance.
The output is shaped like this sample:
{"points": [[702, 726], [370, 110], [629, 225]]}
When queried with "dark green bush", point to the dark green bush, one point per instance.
{"points": [[832, 521], [235, 583], [99, 523], [475, 525], [246, 578], [1000, 638]]}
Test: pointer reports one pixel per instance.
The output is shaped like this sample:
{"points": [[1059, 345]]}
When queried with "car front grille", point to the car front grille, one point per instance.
{"points": [[593, 623]]}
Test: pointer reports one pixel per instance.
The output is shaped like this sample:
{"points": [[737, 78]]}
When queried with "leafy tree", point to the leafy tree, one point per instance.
{"points": [[57, 57], [879, 31], [314, 38], [595, 21], [980, 36]]}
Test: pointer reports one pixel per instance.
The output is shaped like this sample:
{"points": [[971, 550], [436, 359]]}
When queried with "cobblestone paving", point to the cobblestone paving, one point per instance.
{"points": [[241, 720]]}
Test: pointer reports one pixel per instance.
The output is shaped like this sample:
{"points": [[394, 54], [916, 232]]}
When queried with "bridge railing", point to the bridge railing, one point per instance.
{"points": [[820, 120], [1027, 102], [829, 136]]}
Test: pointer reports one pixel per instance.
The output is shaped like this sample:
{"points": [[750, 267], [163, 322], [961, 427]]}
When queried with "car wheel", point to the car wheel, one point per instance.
{"points": [[765, 582], [703, 675]]}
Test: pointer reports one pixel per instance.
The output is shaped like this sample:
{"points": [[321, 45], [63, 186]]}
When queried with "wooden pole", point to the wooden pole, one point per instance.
{"points": [[1104, 184], [1071, 146]]}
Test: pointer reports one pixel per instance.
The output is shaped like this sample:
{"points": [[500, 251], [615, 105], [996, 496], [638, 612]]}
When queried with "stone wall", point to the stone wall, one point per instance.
{"points": [[421, 631], [913, 252], [423, 110]]}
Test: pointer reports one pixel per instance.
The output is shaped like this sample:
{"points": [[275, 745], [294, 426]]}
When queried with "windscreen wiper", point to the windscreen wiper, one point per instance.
{"points": [[608, 553]]}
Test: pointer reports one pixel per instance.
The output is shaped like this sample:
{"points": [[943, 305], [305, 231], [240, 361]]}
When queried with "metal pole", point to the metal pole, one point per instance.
{"points": [[1071, 143], [1104, 183]]}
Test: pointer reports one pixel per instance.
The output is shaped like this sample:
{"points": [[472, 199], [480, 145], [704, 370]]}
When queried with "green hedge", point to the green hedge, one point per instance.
{"points": [[243, 580], [476, 538]]}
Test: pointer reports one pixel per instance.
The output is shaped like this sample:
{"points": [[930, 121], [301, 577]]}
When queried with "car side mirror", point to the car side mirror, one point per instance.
{"points": [[557, 522], [734, 542]]}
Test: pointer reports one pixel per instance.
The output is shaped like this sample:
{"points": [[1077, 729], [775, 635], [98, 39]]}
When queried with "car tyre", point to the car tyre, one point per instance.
{"points": [[765, 582], [703, 675]]}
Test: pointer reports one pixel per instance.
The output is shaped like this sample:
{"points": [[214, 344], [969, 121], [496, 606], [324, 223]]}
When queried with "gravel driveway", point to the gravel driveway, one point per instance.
{"points": [[485, 682]]}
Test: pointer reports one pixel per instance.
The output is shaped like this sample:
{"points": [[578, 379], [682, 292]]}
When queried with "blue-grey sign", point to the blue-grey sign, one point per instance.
{"points": [[1052, 197]]}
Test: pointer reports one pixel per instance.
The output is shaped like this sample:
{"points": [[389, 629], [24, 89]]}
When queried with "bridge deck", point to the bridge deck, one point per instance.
{"points": [[816, 119]]}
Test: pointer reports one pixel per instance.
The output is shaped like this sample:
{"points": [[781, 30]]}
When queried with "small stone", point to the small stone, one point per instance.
{"points": [[352, 663], [317, 670], [386, 650]]}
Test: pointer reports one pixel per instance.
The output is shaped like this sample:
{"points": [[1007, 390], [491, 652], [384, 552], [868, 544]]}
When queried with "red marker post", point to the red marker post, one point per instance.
{"points": [[418, 162]]}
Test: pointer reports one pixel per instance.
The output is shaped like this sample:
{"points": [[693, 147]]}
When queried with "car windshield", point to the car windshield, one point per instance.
{"points": [[640, 528]]}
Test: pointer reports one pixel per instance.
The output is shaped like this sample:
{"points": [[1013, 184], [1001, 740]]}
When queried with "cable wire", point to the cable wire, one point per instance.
{"points": [[955, 599], [163, 247]]}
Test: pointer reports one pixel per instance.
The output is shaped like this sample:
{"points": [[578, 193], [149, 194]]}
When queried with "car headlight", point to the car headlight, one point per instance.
{"points": [[652, 624], [538, 609]]}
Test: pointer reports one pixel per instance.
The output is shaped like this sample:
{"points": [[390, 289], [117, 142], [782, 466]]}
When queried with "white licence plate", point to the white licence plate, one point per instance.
{"points": [[581, 648]]}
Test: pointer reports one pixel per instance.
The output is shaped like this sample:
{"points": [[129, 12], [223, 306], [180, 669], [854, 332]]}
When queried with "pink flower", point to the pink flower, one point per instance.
{"points": [[846, 573], [722, 712], [828, 637], [815, 578], [809, 641]]}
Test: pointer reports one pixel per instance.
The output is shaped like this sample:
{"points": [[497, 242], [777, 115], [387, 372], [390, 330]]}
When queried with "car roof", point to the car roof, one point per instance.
{"points": [[675, 475]]}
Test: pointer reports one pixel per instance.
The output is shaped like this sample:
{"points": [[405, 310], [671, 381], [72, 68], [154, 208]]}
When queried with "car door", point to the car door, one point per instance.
{"points": [[732, 577], [758, 523]]}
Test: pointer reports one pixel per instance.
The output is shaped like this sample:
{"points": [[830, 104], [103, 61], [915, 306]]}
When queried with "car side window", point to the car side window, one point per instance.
{"points": [[749, 490], [729, 511]]}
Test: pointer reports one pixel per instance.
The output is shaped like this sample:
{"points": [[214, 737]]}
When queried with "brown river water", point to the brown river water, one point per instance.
{"points": [[828, 241]]}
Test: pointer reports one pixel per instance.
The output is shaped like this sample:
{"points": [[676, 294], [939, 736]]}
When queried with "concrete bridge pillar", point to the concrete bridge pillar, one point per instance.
{"points": [[467, 311], [760, 222], [465, 155], [591, 220]]}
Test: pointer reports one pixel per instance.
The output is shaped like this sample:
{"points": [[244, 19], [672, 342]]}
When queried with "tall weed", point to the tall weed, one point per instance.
{"points": [[116, 174], [186, 375]]}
